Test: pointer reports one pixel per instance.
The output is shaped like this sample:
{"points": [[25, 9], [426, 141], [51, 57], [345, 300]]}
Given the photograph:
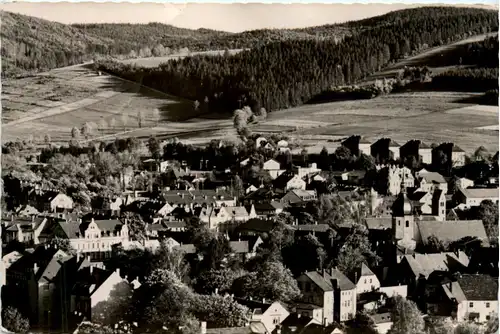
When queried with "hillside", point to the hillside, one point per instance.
{"points": [[292, 72], [33, 44]]}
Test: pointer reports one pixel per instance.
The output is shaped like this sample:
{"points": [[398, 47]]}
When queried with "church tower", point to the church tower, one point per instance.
{"points": [[403, 222]]}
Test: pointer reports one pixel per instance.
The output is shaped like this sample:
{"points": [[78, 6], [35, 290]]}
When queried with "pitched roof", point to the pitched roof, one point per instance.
{"points": [[480, 192], [53, 267], [282, 180], [479, 287], [256, 224], [9, 259], [456, 148], [344, 282], [319, 280], [433, 177], [381, 318], [236, 211], [453, 230], [426, 264], [378, 223], [239, 247], [312, 227]]}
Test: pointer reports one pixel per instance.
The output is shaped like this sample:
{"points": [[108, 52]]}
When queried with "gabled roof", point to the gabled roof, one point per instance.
{"points": [[344, 282], [324, 280], [53, 267], [319, 280], [432, 177], [282, 180], [480, 192], [257, 225], [378, 223], [478, 287], [90, 282], [456, 148], [239, 247], [453, 230], [312, 227], [9, 259], [381, 318], [426, 264]]}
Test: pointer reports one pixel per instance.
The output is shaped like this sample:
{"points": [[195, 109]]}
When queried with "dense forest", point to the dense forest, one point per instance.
{"points": [[289, 73], [33, 44]]}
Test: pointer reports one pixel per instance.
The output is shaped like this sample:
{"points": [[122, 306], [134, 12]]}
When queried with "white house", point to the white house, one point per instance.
{"points": [[365, 280], [396, 176], [273, 168], [98, 236], [304, 171], [465, 183], [474, 196]]}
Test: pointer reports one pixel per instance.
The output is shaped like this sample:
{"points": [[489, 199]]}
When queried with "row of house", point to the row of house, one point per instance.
{"points": [[386, 149]]}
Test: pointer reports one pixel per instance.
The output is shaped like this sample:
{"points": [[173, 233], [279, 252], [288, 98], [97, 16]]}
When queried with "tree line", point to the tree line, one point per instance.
{"points": [[289, 73]]}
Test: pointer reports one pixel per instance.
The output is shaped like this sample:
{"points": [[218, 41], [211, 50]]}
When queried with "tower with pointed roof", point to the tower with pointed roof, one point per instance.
{"points": [[403, 222]]}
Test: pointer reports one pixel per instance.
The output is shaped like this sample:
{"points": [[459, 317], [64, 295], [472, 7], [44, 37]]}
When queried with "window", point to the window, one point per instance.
{"points": [[370, 280], [276, 321], [471, 304], [407, 223], [487, 305], [487, 317]]}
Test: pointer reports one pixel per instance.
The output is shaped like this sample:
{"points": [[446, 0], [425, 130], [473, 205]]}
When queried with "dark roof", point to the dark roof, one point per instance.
{"points": [[312, 227], [257, 225], [281, 181], [380, 318], [260, 193], [359, 272], [456, 148], [479, 287], [344, 282], [319, 280], [110, 225], [417, 195], [174, 224], [89, 281]]}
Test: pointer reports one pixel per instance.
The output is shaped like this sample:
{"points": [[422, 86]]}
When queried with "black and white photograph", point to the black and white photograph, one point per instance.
{"points": [[231, 168]]}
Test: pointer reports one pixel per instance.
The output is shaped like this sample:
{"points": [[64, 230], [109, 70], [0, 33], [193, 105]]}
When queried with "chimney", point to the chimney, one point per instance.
{"points": [[35, 267], [263, 300], [118, 272], [78, 257], [91, 269], [355, 277], [216, 291]]}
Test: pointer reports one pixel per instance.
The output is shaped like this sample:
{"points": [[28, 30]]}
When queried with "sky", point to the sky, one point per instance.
{"points": [[233, 17]]}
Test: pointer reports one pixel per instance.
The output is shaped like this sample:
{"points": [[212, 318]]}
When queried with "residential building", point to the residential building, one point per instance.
{"points": [[94, 291], [288, 181], [457, 156], [24, 230], [465, 297], [267, 209], [273, 168], [332, 291], [270, 314], [382, 321], [439, 204], [465, 183], [430, 181], [260, 142], [385, 150], [298, 196], [364, 279], [398, 177], [52, 201], [474, 196], [197, 198], [216, 216], [305, 171], [357, 145], [107, 207], [417, 149]]}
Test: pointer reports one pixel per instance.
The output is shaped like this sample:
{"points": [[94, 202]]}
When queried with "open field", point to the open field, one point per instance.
{"points": [[54, 102], [432, 58], [156, 61]]}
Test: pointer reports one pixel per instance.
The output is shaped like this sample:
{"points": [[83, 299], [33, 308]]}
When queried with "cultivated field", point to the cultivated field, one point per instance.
{"points": [[54, 102], [156, 61]]}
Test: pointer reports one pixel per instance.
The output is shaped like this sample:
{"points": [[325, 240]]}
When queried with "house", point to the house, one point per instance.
{"points": [[465, 298], [24, 230], [36, 282], [457, 156], [53, 202], [364, 279], [251, 188], [305, 171], [439, 204], [474, 196], [273, 168], [382, 321], [94, 238], [430, 181], [107, 207], [298, 196], [270, 315], [288, 181], [465, 183], [95, 289], [255, 226], [357, 145], [332, 291], [215, 217], [27, 211], [398, 177], [260, 142], [266, 209], [413, 268], [385, 150], [197, 198], [417, 149], [282, 143]]}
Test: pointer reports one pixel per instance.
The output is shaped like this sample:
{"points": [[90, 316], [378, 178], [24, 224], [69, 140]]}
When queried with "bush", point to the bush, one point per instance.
{"points": [[13, 320]]}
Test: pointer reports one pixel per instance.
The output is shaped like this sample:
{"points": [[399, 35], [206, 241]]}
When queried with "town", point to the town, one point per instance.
{"points": [[376, 237]]}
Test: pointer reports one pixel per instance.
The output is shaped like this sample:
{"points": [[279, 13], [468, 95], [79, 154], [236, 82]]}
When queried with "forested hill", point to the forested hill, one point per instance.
{"points": [[284, 74], [33, 44]]}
